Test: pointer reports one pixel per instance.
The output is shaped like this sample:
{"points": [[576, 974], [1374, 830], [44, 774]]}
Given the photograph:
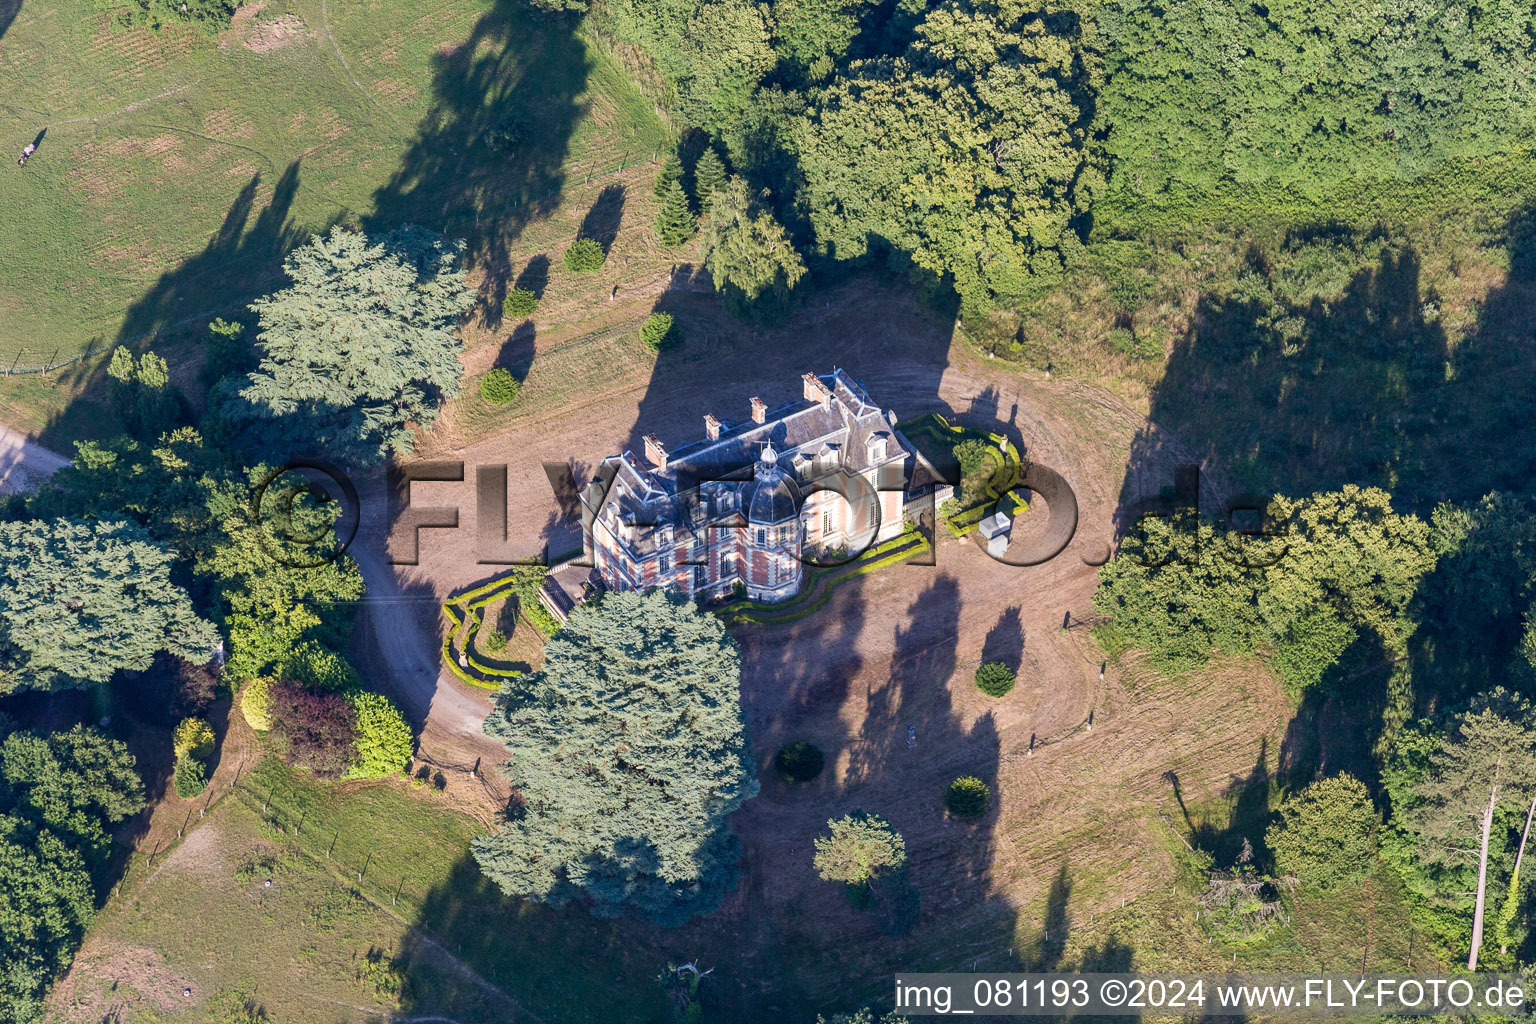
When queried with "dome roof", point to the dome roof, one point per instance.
{"points": [[774, 496]]}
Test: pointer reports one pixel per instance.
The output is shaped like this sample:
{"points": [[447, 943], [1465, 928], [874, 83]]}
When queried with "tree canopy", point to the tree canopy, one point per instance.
{"points": [[360, 346], [629, 752], [84, 599]]}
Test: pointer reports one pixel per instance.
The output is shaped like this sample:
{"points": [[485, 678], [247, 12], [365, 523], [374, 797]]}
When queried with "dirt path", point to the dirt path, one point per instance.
{"points": [[23, 464]]}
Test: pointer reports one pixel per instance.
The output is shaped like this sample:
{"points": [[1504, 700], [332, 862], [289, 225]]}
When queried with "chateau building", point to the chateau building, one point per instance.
{"points": [[816, 480]]}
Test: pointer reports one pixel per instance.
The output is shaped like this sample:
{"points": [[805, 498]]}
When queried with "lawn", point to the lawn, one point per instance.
{"points": [[177, 167]]}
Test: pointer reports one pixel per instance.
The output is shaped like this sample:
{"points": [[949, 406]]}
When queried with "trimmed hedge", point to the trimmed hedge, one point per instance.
{"points": [[383, 742], [256, 704]]}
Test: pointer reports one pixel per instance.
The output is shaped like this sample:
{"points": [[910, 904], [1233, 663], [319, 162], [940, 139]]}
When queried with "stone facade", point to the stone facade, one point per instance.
{"points": [[818, 480]]}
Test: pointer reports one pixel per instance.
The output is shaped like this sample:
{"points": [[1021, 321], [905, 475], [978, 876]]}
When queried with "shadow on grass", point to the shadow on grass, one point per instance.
{"points": [[8, 11]]}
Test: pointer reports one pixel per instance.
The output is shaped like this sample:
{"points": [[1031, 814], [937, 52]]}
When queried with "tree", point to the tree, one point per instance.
{"points": [[359, 347], [84, 599], [1338, 566], [749, 255], [657, 332], [210, 15], [321, 728], [994, 679], [630, 754], [57, 795], [585, 256], [799, 761], [967, 797], [966, 152], [383, 744], [193, 738], [1449, 788], [498, 386], [145, 400], [189, 777], [671, 171], [283, 596], [864, 1016], [519, 303], [972, 455], [48, 903], [859, 846], [709, 177], [1326, 835], [675, 222], [813, 36]]}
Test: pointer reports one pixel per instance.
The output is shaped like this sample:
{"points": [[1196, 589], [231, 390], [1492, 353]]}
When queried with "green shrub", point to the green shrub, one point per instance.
{"points": [[584, 256], [994, 679], [971, 454], [256, 704], [383, 742], [320, 667], [498, 386], [519, 303], [234, 1007], [967, 797], [1326, 835], [657, 332], [495, 641], [799, 761], [384, 976], [189, 777], [193, 739]]}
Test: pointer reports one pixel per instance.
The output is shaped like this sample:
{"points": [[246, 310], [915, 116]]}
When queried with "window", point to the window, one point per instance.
{"points": [[874, 512], [826, 521], [666, 561], [699, 577], [762, 536]]}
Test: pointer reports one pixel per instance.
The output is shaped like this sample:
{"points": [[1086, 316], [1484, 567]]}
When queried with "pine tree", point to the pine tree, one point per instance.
{"points": [[675, 221], [709, 177], [630, 753], [362, 344], [671, 170]]}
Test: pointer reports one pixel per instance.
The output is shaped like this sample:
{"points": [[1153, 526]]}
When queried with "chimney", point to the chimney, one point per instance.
{"points": [[711, 427], [815, 390], [759, 410], [655, 452]]}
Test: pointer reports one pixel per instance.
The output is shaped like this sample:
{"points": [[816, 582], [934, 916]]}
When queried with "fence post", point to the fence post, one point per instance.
{"points": [[368, 860], [48, 366], [15, 361]]}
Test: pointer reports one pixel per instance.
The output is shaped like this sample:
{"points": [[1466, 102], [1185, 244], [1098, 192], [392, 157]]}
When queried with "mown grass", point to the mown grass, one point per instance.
{"points": [[177, 167]]}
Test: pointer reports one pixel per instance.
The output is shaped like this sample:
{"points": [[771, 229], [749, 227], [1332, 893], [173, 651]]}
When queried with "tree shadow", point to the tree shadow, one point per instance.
{"points": [[1005, 641], [8, 11], [601, 224], [517, 351], [478, 168], [534, 277]]}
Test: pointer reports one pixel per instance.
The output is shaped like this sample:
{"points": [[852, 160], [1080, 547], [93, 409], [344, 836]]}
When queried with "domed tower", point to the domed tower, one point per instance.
{"points": [[773, 532]]}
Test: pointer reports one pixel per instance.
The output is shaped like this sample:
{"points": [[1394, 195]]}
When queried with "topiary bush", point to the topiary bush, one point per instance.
{"points": [[519, 303], [657, 332], [189, 778], [256, 704], [193, 738], [799, 761], [498, 386], [382, 742], [967, 797], [994, 679], [495, 641], [584, 256]]}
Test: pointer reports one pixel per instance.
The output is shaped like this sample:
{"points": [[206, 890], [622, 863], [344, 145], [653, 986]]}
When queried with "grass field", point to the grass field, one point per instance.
{"points": [[176, 168]]}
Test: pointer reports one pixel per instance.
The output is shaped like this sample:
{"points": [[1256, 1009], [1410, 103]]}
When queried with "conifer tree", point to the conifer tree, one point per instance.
{"points": [[709, 177], [84, 599], [671, 170], [361, 345], [675, 222], [630, 754]]}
